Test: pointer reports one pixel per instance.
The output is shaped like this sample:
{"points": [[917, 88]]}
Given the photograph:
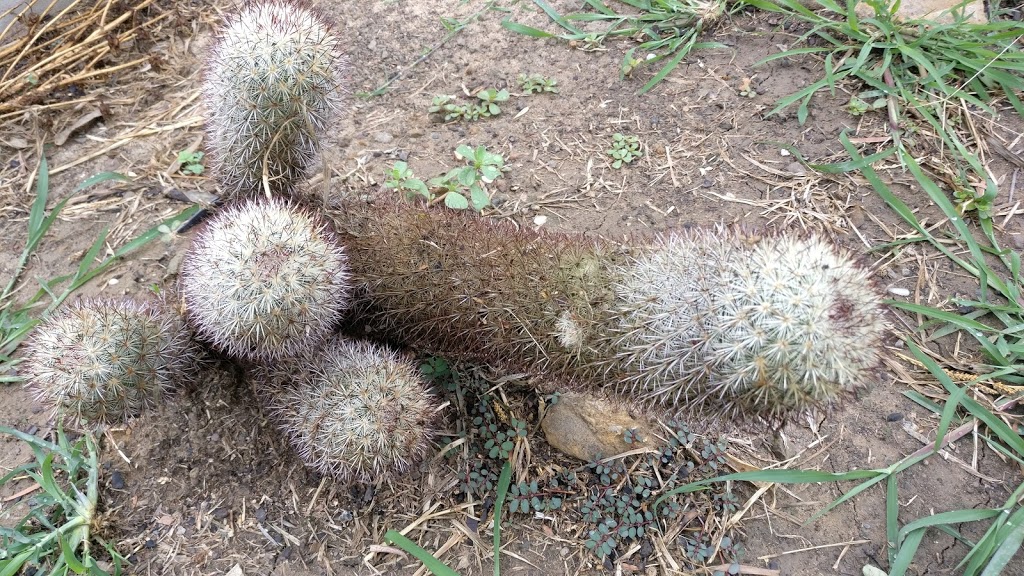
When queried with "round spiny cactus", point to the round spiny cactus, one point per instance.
{"points": [[264, 280], [755, 325], [107, 361], [272, 85], [358, 413], [758, 326]]}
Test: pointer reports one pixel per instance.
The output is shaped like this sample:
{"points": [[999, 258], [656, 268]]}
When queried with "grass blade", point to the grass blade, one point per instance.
{"points": [[433, 564], [499, 503], [1012, 537]]}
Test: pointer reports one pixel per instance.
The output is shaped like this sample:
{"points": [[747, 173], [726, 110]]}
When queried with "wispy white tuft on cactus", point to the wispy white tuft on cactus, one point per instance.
{"points": [[272, 85], [108, 361], [757, 325], [264, 280], [357, 413]]}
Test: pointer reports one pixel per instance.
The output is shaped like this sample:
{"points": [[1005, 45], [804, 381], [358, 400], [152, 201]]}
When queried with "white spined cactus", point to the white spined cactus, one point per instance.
{"points": [[272, 86], [358, 413], [756, 325], [108, 361], [264, 280]]}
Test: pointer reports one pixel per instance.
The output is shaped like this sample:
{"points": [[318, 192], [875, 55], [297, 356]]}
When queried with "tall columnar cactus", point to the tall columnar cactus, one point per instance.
{"points": [[355, 411], [754, 325], [272, 85], [264, 280], [107, 361]]}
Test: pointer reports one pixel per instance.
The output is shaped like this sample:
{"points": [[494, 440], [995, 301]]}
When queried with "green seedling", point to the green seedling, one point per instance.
{"points": [[537, 83], [191, 163], [401, 178], [446, 107], [865, 102], [489, 100], [459, 188], [624, 150], [57, 534]]}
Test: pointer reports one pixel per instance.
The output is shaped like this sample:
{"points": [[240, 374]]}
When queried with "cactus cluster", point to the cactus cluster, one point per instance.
{"points": [[356, 412], [264, 280], [107, 361], [272, 86]]}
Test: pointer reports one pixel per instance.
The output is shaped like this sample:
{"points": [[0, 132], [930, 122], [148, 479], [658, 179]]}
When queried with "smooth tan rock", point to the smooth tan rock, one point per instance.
{"points": [[921, 10], [588, 427]]}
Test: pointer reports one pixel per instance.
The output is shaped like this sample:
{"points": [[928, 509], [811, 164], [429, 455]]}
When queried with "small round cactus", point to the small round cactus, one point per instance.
{"points": [[358, 413], [107, 361], [264, 280], [271, 87], [757, 325]]}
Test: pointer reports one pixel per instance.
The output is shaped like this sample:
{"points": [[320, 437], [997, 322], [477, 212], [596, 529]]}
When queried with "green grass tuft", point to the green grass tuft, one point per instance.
{"points": [[56, 535]]}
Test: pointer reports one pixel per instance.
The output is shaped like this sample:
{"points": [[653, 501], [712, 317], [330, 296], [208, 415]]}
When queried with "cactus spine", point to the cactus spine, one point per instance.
{"points": [[756, 326], [264, 280], [106, 361], [271, 87], [356, 412]]}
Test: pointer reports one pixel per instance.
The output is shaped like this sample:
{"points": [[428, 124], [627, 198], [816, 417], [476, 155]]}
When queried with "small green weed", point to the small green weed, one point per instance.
{"points": [[486, 107], [865, 102], [620, 498], [460, 187], [537, 83], [56, 535], [624, 150], [191, 163], [401, 178]]}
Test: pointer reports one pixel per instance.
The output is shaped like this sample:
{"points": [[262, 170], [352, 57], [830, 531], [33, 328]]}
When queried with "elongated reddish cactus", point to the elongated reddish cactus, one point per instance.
{"points": [[759, 326]]}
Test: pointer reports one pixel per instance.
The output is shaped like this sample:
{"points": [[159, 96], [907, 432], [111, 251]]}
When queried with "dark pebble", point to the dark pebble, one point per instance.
{"points": [[117, 481], [220, 513], [32, 430], [286, 553], [261, 514], [894, 417], [150, 544]]}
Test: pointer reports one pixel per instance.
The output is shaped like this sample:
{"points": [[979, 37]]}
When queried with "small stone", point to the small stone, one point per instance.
{"points": [[261, 514], [1018, 240], [383, 137], [117, 481], [796, 169], [589, 428], [150, 544], [894, 417], [220, 513]]}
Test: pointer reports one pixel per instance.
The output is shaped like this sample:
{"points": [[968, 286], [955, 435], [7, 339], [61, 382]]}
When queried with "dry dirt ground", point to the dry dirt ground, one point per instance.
{"points": [[207, 484]]}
